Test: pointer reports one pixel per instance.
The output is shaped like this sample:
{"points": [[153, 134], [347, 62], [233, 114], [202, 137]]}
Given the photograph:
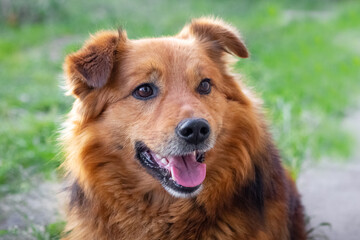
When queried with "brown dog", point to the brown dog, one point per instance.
{"points": [[163, 143]]}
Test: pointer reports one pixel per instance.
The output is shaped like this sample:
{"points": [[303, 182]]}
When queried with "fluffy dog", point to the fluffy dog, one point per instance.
{"points": [[164, 142]]}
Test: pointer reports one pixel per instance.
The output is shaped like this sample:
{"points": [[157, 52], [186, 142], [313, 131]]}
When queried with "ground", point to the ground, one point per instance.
{"points": [[331, 191], [25, 215]]}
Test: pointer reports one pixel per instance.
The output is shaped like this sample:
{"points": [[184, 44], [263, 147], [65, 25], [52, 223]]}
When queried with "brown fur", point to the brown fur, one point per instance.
{"points": [[246, 193]]}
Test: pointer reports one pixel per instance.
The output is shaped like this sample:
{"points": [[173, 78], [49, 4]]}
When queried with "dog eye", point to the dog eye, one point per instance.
{"points": [[145, 91], [204, 87]]}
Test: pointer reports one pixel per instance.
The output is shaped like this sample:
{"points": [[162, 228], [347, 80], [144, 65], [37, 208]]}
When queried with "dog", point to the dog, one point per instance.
{"points": [[164, 141]]}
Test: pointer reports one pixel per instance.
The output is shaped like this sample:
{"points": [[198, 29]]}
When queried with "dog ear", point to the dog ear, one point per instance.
{"points": [[224, 36], [90, 67]]}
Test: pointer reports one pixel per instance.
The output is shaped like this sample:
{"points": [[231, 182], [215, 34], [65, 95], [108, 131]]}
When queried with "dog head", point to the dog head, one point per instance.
{"points": [[155, 108]]}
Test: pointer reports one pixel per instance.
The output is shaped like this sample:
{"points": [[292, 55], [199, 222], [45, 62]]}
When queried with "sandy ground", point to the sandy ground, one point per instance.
{"points": [[39, 206], [331, 191], [27, 213]]}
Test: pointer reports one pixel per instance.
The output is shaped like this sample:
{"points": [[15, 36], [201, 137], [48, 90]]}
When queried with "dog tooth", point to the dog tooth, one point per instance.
{"points": [[164, 161], [157, 156]]}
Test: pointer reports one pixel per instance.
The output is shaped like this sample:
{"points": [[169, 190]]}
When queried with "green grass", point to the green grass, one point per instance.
{"points": [[305, 67], [305, 61]]}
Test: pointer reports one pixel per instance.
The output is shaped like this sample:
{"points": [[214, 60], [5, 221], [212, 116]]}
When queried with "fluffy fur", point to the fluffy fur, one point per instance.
{"points": [[246, 194]]}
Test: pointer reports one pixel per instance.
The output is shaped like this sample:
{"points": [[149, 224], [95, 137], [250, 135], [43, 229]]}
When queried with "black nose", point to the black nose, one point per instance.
{"points": [[193, 130]]}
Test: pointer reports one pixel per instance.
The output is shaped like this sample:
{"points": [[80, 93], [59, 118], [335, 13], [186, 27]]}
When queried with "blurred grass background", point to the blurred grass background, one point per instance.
{"points": [[305, 61]]}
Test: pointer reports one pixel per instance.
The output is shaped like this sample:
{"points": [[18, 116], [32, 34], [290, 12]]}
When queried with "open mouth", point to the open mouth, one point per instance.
{"points": [[182, 175]]}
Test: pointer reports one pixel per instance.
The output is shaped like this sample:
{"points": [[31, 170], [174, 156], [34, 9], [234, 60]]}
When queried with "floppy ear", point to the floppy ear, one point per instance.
{"points": [[224, 36], [91, 66]]}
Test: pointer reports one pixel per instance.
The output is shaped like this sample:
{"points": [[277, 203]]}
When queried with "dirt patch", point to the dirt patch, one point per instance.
{"points": [[28, 212], [300, 15], [331, 191], [349, 40]]}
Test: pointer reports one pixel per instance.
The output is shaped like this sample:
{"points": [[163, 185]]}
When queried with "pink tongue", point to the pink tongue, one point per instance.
{"points": [[186, 171]]}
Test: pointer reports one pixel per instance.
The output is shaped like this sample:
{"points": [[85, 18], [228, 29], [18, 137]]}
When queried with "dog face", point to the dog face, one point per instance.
{"points": [[159, 102]]}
